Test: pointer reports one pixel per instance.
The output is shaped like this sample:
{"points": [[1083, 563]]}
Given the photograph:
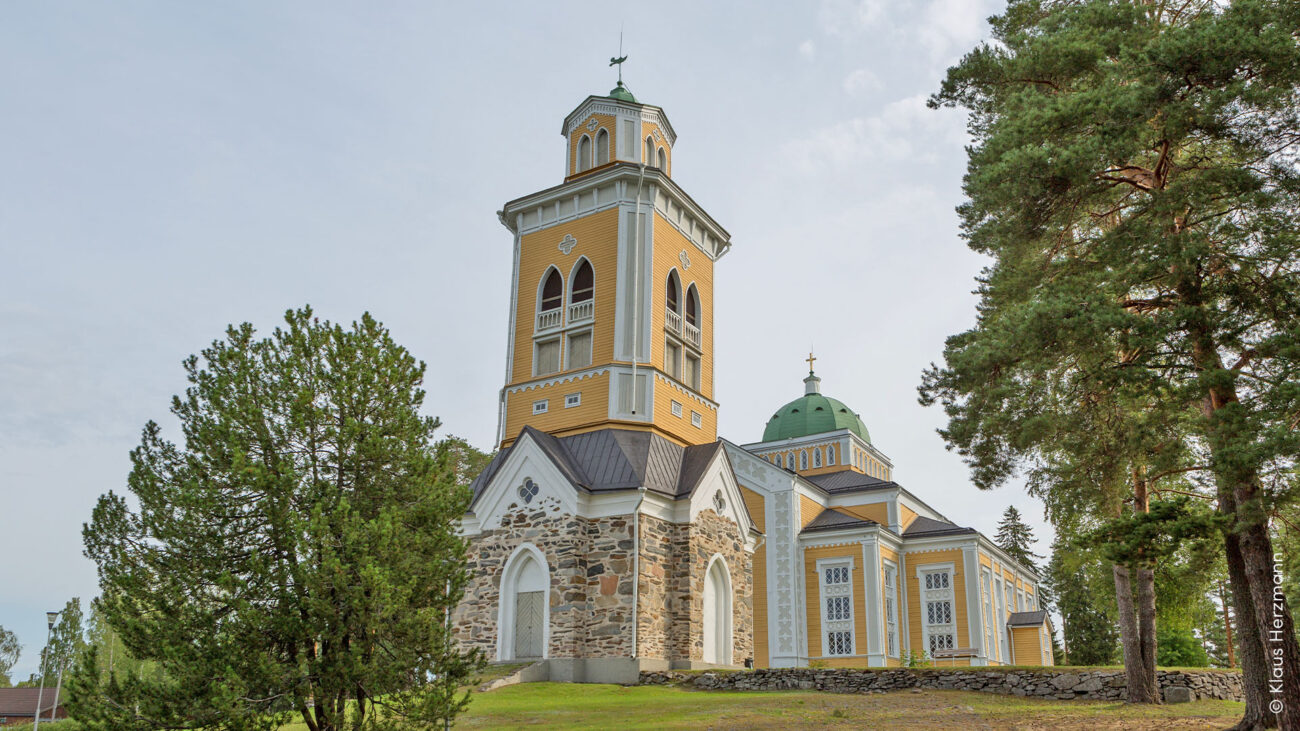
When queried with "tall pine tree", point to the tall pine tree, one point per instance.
{"points": [[1133, 177]]}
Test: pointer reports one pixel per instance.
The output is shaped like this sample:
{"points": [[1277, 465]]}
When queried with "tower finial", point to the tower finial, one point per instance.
{"points": [[620, 58], [810, 360]]}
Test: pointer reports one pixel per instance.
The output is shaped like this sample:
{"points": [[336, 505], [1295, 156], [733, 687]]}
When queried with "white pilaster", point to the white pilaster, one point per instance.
{"points": [[875, 616]]}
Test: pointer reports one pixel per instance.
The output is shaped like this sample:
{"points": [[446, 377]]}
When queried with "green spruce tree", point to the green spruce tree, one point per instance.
{"points": [[1016, 537], [297, 555]]}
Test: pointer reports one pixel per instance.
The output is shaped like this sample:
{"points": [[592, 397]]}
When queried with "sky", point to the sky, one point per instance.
{"points": [[171, 168]]}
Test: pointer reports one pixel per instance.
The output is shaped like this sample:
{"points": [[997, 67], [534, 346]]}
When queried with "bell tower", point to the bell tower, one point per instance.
{"points": [[611, 312]]}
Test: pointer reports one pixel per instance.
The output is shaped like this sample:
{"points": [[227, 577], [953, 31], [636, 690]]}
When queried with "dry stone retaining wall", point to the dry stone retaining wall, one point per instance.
{"points": [[1064, 684]]}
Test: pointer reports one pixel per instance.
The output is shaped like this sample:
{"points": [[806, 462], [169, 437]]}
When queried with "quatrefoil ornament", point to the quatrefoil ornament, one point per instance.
{"points": [[528, 490]]}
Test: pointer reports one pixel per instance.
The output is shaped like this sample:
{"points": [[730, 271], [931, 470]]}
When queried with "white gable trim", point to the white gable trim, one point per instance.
{"points": [[526, 460]]}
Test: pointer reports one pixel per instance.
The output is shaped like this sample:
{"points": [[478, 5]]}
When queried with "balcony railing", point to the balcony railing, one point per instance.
{"points": [[692, 334], [672, 321], [548, 319], [579, 311]]}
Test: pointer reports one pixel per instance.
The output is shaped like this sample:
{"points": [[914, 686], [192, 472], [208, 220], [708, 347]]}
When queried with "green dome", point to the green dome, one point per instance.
{"points": [[622, 93], [813, 413]]}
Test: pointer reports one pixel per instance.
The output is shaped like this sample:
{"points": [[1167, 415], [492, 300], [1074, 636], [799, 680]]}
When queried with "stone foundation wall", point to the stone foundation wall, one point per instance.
{"points": [[1063, 684], [712, 534], [589, 562], [674, 559]]}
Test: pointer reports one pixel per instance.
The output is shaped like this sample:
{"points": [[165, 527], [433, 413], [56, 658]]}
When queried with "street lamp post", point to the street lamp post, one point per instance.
{"points": [[49, 619]]}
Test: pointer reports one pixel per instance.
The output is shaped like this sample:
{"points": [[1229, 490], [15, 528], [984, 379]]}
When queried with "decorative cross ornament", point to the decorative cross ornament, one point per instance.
{"points": [[686, 260], [528, 490], [567, 243], [592, 124], [718, 503]]}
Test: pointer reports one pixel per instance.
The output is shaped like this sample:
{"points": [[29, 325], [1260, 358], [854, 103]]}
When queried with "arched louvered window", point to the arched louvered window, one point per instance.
{"points": [[663, 160], [552, 291], [789, 461], [583, 283], [650, 151], [602, 147], [692, 307], [830, 454], [584, 153], [817, 457], [673, 290], [803, 460]]}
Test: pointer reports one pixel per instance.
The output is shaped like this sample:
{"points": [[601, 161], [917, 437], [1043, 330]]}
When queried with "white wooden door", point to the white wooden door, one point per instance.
{"points": [[528, 624]]}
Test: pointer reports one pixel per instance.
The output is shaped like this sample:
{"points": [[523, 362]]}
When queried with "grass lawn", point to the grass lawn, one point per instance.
{"points": [[575, 706]]}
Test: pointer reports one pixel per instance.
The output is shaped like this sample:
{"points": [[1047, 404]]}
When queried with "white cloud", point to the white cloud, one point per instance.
{"points": [[845, 17], [808, 49], [951, 27], [903, 130], [862, 80]]}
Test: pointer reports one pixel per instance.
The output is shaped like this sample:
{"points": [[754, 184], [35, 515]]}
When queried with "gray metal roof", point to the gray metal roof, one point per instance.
{"points": [[615, 459], [1027, 619], [829, 519], [848, 480], [924, 526]]}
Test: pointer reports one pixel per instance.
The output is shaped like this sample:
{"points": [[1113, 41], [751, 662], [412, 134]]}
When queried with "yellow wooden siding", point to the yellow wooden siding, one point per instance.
{"points": [[757, 509], [915, 618], [808, 509], [816, 642], [647, 130], [681, 426], [606, 121], [597, 236], [668, 245], [1027, 648], [878, 512], [593, 410], [905, 517]]}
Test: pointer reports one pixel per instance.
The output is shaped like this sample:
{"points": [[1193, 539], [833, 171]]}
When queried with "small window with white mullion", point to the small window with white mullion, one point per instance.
{"points": [[891, 609], [937, 608], [837, 607]]}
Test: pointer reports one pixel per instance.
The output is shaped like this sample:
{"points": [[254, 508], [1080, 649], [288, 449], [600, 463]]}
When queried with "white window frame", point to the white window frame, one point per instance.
{"points": [[541, 406], [890, 587], [830, 455], [837, 591], [990, 621], [948, 594], [697, 420], [803, 459], [676, 407], [817, 457], [572, 399], [559, 358]]}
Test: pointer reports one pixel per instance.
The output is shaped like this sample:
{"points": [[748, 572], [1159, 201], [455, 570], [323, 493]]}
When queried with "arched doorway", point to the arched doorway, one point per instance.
{"points": [[524, 607], [717, 613]]}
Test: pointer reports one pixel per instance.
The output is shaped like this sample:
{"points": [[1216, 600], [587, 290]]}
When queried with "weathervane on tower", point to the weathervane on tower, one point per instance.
{"points": [[620, 58]]}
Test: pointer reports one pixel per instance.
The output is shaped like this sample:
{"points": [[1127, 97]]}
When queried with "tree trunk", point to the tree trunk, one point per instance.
{"points": [[1227, 626], [1146, 602], [1276, 671], [1141, 687], [1250, 649]]}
